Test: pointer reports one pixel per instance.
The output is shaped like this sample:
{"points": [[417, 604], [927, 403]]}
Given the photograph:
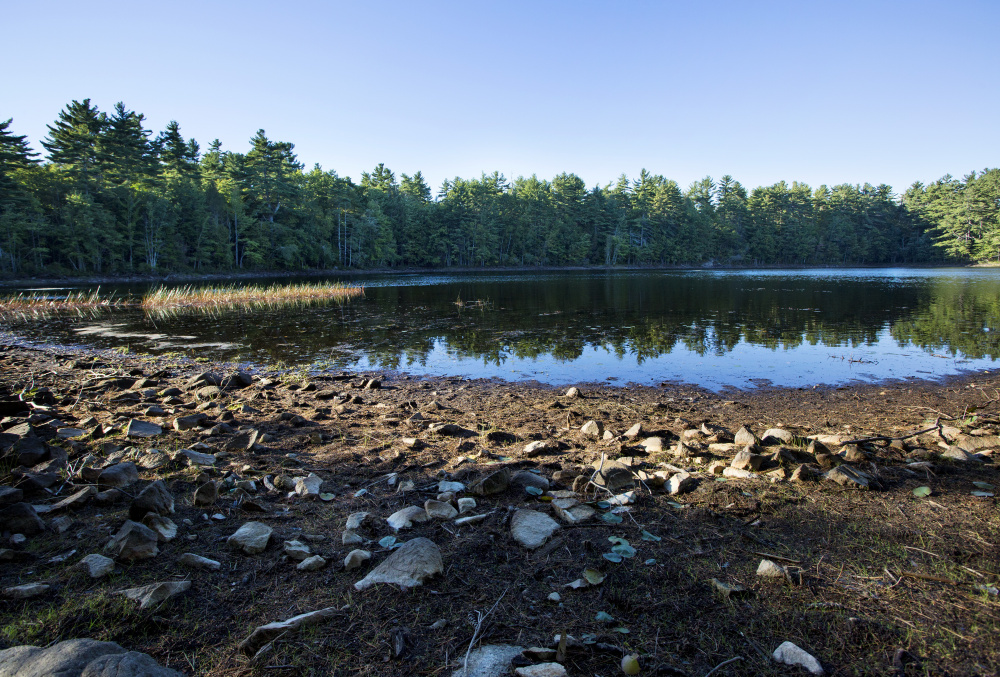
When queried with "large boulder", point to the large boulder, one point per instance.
{"points": [[79, 658]]}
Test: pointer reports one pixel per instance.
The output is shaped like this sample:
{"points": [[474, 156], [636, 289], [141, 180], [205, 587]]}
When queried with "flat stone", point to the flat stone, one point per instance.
{"points": [[30, 451], [251, 538], [133, 541], [540, 447], [193, 457], [75, 500], [404, 518], [265, 633], [571, 511], [635, 431], [308, 487], [193, 561], [531, 529], [10, 495], [96, 566], [314, 563], [652, 445], [297, 550], [189, 422], [789, 654], [471, 519], [776, 435], [440, 510], [737, 473], [490, 660], [155, 594], [746, 459], [541, 670], [26, 591], [351, 538], [206, 494], [137, 428], [466, 504], [745, 436], [849, 476], [79, 657], [356, 520], [613, 476], [407, 566], [445, 486]]}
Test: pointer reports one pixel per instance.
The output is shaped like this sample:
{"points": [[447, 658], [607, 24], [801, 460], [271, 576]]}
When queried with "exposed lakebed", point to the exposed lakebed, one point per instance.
{"points": [[710, 328]]}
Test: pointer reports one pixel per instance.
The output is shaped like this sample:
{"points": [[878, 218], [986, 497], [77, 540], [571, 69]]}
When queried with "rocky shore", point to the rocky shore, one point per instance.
{"points": [[201, 519]]}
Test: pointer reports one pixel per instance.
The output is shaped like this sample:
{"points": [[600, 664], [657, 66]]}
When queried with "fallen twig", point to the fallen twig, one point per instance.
{"points": [[723, 663], [481, 618]]}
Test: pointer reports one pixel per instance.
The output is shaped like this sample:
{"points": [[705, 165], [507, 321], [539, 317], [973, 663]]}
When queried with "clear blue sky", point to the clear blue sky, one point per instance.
{"points": [[820, 92]]}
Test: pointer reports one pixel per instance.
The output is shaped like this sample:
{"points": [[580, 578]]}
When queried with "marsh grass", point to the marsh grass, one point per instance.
{"points": [[167, 301]]}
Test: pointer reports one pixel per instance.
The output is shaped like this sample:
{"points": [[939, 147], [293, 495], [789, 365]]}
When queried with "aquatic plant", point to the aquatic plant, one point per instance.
{"points": [[233, 296]]}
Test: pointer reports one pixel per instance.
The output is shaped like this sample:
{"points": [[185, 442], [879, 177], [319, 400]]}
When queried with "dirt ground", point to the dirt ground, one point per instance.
{"points": [[880, 581]]}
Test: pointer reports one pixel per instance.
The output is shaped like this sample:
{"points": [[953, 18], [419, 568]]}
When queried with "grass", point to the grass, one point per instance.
{"points": [[28, 306], [233, 296]]}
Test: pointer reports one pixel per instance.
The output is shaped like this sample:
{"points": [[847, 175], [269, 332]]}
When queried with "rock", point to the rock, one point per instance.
{"points": [[849, 476], [308, 487], [151, 459], [251, 538], [974, 443], [193, 561], [652, 445], [494, 483], [96, 566], [804, 473], [957, 454], [540, 447], [451, 430], [489, 660], [356, 520], [852, 453], [30, 451], [454, 487], [243, 442], [313, 563], [133, 541], [466, 504], [777, 435], [789, 654], [745, 436], [356, 558], [193, 457], [265, 633], [79, 658], [635, 431], [164, 527], [747, 460], [26, 591], [526, 478], [351, 538], [769, 569], [541, 670], [592, 429], [137, 428], [10, 495], [154, 498], [571, 511], [408, 566], [737, 473], [531, 529], [61, 525], [404, 519], [573, 392], [206, 494], [21, 518], [120, 475], [680, 483], [75, 500], [440, 510], [188, 422], [471, 519], [297, 550], [613, 476], [155, 594], [207, 393], [108, 497]]}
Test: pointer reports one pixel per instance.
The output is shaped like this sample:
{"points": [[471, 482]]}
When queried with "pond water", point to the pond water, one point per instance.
{"points": [[715, 329]]}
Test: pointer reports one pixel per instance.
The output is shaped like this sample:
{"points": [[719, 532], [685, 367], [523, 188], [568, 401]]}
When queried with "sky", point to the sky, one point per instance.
{"points": [[816, 92]]}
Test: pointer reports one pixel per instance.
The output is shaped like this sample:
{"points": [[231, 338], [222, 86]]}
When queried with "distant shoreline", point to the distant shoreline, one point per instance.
{"points": [[182, 278]]}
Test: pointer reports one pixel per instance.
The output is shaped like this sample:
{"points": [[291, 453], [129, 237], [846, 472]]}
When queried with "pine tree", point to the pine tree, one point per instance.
{"points": [[73, 141]]}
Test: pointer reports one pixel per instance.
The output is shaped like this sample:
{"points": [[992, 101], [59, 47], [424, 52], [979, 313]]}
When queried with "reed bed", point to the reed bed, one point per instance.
{"points": [[36, 305], [233, 296]]}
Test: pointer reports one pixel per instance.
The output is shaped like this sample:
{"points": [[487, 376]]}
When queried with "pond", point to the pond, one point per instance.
{"points": [[716, 329]]}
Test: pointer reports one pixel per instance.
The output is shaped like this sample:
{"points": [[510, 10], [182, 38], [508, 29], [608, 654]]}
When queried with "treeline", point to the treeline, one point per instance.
{"points": [[110, 198]]}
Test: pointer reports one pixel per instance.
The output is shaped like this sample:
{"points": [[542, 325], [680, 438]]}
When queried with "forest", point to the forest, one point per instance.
{"points": [[110, 198]]}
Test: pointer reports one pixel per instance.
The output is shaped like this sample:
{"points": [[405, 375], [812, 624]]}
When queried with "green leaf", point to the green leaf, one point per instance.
{"points": [[327, 497], [604, 617], [360, 492], [985, 486], [534, 491], [650, 561], [921, 492], [982, 494], [603, 505], [387, 542], [593, 576], [646, 536], [617, 540], [611, 518], [623, 631], [624, 550], [612, 557]]}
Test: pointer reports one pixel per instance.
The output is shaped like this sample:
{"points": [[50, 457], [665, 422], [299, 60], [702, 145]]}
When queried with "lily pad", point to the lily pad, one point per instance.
{"points": [[624, 550], [593, 576], [921, 492], [604, 617], [612, 557]]}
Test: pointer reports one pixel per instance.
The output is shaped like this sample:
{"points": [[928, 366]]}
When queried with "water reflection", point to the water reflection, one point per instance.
{"points": [[716, 329]]}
